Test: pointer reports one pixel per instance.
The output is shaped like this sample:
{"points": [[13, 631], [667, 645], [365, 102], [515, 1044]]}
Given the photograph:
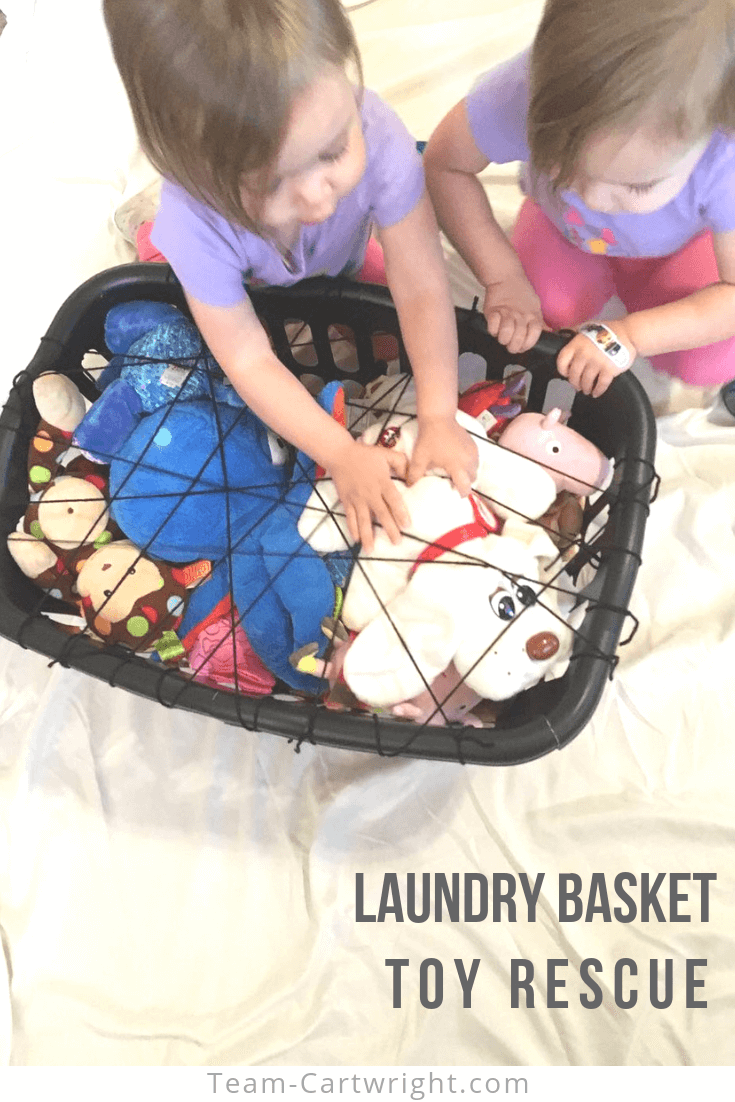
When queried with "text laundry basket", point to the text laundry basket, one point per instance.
{"points": [[541, 719]]}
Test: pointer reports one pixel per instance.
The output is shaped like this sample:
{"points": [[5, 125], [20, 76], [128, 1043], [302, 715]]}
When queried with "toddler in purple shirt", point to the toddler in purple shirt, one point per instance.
{"points": [[214, 257], [277, 167], [622, 116]]}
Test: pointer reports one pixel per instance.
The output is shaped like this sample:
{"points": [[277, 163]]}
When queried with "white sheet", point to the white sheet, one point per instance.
{"points": [[173, 891]]}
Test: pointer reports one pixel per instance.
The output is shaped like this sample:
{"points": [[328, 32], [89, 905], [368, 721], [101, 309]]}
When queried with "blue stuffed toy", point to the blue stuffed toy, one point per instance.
{"points": [[195, 474], [158, 357]]}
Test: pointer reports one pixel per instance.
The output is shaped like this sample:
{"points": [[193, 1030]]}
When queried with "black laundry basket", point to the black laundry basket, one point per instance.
{"points": [[537, 721]]}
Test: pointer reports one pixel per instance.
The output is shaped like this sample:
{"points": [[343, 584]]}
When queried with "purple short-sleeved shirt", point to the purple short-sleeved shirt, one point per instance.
{"points": [[214, 260], [497, 110]]}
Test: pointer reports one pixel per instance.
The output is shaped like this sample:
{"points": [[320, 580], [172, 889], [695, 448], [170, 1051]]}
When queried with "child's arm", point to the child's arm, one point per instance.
{"points": [[417, 279], [452, 162], [705, 316], [362, 475]]}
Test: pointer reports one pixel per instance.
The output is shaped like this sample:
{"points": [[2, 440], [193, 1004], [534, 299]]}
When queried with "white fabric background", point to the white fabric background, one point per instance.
{"points": [[173, 891]]}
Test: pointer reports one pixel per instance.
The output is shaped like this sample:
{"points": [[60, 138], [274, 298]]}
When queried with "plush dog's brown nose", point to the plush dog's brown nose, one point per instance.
{"points": [[541, 646]]}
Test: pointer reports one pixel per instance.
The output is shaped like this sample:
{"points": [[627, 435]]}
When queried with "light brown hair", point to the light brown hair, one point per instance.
{"points": [[211, 83], [608, 64]]}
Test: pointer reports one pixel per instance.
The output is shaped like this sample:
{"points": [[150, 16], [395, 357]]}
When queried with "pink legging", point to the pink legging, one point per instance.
{"points": [[574, 286], [373, 269]]}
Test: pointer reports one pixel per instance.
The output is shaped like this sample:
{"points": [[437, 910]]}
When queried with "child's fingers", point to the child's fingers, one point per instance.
{"points": [[564, 359], [518, 342], [507, 328], [515, 329], [572, 358], [398, 463], [352, 523], [576, 374], [382, 510], [577, 367], [526, 335], [461, 481], [584, 370], [364, 527], [416, 469], [397, 507], [386, 520], [588, 377], [603, 382], [569, 369], [535, 329], [493, 319]]}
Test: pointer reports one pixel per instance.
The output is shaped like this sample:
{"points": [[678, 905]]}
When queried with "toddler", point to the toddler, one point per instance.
{"points": [[275, 168], [622, 113]]}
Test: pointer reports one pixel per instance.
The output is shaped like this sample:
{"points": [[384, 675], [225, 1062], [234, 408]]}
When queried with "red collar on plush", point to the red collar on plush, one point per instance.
{"points": [[486, 523]]}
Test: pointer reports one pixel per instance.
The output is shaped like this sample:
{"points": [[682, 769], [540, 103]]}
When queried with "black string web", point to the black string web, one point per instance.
{"points": [[319, 352]]}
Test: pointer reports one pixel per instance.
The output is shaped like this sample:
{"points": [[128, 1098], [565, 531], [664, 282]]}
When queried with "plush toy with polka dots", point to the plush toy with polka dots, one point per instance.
{"points": [[127, 597], [67, 543], [68, 516]]}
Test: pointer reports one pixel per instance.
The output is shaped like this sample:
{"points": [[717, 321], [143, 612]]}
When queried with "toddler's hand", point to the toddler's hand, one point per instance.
{"points": [[587, 367], [362, 476], [442, 442], [513, 313]]}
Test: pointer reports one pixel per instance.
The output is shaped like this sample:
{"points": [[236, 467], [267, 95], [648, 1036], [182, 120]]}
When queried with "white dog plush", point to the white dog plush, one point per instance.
{"points": [[454, 588], [490, 614]]}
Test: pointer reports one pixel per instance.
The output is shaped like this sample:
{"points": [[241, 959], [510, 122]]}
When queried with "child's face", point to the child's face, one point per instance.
{"points": [[321, 160], [634, 172]]}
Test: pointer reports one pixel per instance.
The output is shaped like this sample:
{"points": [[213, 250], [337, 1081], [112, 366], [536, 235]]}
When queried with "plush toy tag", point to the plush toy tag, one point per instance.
{"points": [[175, 376], [168, 647], [603, 338], [193, 573]]}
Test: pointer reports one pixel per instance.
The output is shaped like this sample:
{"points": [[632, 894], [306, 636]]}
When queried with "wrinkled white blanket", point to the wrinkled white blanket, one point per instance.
{"points": [[173, 891]]}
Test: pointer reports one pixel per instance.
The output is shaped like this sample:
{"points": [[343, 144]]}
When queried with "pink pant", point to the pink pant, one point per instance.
{"points": [[574, 286], [373, 270]]}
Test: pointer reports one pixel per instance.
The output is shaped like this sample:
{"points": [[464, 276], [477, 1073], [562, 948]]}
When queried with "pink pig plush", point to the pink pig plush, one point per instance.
{"points": [[573, 462]]}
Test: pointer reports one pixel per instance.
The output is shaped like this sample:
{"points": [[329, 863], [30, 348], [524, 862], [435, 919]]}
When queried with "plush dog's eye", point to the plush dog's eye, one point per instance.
{"points": [[525, 595], [553, 447], [502, 604]]}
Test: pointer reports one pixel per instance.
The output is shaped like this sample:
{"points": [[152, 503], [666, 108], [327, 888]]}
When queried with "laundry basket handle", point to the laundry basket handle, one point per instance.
{"points": [[548, 346], [551, 344]]}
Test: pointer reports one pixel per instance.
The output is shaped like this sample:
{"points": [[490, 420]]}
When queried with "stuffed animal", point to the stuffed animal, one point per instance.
{"points": [[510, 484], [575, 464], [220, 655], [495, 403], [508, 492], [490, 615], [449, 699], [68, 517], [124, 596], [577, 467], [160, 358], [51, 454], [61, 528], [492, 403], [450, 593], [129, 598], [484, 605], [68, 545], [557, 467], [204, 477], [491, 408]]}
